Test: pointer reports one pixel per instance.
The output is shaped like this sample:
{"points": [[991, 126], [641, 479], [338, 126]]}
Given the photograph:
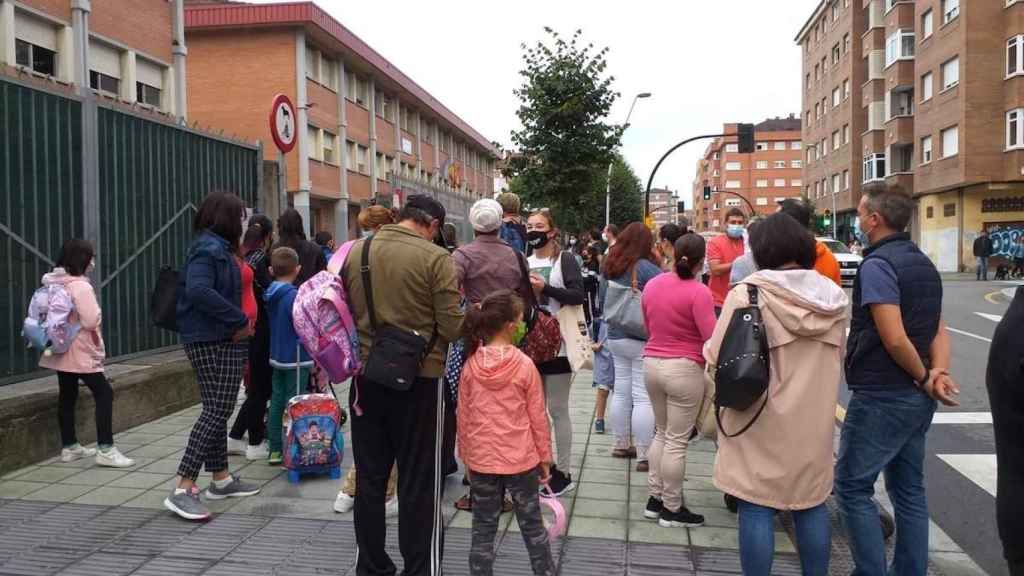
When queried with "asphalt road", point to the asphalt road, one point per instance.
{"points": [[960, 462]]}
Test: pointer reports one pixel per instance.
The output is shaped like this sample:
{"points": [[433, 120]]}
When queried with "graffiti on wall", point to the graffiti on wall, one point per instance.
{"points": [[1005, 237]]}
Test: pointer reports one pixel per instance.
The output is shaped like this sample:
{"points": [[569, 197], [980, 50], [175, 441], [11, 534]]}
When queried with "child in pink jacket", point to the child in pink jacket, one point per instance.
{"points": [[83, 361], [503, 431]]}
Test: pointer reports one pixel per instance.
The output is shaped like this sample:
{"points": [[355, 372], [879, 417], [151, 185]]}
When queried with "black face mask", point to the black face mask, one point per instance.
{"points": [[537, 239]]}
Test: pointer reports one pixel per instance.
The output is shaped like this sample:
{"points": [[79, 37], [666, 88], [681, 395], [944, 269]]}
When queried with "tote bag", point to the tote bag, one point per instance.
{"points": [[572, 322], [623, 310]]}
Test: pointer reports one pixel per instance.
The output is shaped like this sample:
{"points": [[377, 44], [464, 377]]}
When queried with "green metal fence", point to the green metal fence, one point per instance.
{"points": [[150, 179]]}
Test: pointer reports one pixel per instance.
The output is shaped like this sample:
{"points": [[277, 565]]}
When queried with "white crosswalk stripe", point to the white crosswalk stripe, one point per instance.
{"points": [[978, 468], [993, 317]]}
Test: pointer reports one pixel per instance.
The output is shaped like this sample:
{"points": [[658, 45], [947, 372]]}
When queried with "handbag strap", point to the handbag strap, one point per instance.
{"points": [[526, 281], [633, 281], [718, 418], [368, 293], [752, 294]]}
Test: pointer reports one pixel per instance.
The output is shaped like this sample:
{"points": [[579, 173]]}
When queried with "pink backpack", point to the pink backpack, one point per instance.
{"points": [[324, 324], [48, 328]]}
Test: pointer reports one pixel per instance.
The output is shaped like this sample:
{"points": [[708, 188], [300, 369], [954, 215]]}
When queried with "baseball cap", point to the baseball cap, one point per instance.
{"points": [[485, 215], [428, 205]]}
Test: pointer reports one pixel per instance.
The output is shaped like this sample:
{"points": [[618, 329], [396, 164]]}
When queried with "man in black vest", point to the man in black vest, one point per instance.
{"points": [[983, 250], [897, 367], [1005, 382]]}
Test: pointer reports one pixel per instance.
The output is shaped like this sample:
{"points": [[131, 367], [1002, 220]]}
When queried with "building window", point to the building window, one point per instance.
{"points": [[929, 212], [762, 202], [733, 184], [837, 52], [362, 162], [899, 46], [731, 148], [846, 43], [926, 87], [927, 25], [146, 94], [761, 184], [807, 82], [762, 164], [312, 64], [817, 189], [103, 83], [950, 142], [315, 150], [796, 183], [837, 96], [795, 145], [836, 140], [817, 110], [780, 183], [846, 133], [951, 73], [874, 168], [950, 10], [350, 156], [949, 210], [1015, 129], [796, 164], [715, 156], [1015, 55], [817, 72], [901, 159], [38, 59], [901, 102], [837, 182], [926, 150], [779, 164], [824, 147], [846, 89], [835, 10], [846, 179], [761, 146], [779, 146], [329, 154], [733, 166]]}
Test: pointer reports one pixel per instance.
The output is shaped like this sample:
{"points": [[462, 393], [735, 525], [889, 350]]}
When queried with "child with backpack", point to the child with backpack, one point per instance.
{"points": [[503, 432], [288, 358], [74, 311]]}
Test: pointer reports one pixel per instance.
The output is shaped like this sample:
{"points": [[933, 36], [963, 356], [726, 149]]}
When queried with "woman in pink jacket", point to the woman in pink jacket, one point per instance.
{"points": [[503, 431], [83, 361]]}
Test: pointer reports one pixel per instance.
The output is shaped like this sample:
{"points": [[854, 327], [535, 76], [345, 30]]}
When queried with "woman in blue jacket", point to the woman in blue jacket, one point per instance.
{"points": [[215, 334]]}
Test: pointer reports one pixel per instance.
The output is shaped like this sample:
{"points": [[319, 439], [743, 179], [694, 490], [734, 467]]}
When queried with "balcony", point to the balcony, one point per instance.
{"points": [[876, 116], [900, 130], [876, 65]]}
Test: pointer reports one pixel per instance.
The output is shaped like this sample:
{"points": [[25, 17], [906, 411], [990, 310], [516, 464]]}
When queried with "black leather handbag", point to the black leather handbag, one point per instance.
{"points": [[163, 302], [396, 354], [742, 374]]}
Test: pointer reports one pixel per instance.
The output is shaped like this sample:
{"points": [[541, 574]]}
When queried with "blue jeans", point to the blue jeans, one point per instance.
{"points": [[757, 539], [982, 268], [885, 432]]}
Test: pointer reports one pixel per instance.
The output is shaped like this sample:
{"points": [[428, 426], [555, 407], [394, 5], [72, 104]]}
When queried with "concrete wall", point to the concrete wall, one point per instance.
{"points": [[28, 411]]}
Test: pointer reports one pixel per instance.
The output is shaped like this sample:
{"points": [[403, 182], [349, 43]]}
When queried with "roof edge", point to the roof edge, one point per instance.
{"points": [[807, 25]]}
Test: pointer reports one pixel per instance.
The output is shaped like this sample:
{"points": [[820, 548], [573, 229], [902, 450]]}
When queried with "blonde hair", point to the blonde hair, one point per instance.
{"points": [[510, 203], [373, 217]]}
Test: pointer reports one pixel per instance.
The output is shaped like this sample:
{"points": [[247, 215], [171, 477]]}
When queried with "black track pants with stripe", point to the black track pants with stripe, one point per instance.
{"points": [[402, 427]]}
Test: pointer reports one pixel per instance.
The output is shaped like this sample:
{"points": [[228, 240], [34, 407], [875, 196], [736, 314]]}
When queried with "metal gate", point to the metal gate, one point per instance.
{"points": [[150, 176]]}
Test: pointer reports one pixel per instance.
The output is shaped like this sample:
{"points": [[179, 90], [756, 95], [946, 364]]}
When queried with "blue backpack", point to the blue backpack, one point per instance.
{"points": [[512, 236]]}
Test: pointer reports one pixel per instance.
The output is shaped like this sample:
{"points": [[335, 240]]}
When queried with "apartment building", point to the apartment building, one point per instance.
{"points": [[835, 73], [753, 182], [943, 115], [372, 134], [128, 52], [663, 204]]}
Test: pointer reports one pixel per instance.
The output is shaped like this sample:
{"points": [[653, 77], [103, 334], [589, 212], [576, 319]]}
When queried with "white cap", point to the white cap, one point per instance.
{"points": [[485, 215]]}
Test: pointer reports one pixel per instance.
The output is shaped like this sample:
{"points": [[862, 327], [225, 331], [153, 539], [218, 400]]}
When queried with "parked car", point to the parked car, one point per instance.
{"points": [[849, 262]]}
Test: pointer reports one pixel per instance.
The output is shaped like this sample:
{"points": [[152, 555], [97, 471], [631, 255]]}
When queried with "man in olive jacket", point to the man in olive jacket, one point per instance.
{"points": [[415, 289]]}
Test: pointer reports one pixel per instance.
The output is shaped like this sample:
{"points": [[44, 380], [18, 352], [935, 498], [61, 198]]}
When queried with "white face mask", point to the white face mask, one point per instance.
{"points": [[91, 266]]}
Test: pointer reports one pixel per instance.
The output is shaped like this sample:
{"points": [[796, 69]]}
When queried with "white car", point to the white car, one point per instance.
{"points": [[849, 262]]}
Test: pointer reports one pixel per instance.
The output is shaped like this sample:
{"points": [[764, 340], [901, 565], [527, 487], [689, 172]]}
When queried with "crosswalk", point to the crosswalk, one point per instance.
{"points": [[978, 468]]}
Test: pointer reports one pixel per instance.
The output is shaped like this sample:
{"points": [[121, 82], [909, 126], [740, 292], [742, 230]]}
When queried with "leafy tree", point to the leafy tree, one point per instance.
{"points": [[565, 143]]}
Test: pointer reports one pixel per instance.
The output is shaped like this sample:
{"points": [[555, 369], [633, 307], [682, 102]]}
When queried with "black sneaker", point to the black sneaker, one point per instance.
{"points": [[681, 519], [560, 482], [654, 508]]}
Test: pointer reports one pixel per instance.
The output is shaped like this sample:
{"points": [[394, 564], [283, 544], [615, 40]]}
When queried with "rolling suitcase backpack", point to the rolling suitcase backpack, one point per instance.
{"points": [[313, 442]]}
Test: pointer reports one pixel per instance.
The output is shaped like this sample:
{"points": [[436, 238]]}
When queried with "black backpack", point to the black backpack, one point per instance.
{"points": [[163, 302], [742, 374]]}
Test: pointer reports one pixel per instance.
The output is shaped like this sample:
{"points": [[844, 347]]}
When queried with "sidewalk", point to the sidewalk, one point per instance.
{"points": [[79, 520]]}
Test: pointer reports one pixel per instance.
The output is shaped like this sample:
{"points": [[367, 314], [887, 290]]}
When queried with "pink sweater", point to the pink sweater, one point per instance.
{"points": [[680, 317], [87, 351], [503, 423]]}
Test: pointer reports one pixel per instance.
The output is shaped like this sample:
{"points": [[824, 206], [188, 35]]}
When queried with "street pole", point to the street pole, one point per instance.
{"points": [[608, 184], [647, 193], [834, 216]]}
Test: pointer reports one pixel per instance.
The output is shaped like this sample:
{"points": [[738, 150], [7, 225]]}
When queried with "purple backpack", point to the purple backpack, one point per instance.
{"points": [[48, 328], [324, 324]]}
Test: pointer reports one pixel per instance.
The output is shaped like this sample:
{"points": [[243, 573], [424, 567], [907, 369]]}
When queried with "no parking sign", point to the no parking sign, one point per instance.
{"points": [[282, 123]]}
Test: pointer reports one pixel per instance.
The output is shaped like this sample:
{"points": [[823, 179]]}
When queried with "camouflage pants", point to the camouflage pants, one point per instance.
{"points": [[488, 493]]}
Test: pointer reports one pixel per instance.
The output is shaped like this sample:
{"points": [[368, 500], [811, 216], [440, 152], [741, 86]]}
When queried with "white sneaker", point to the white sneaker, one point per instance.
{"points": [[391, 507], [261, 452], [344, 503], [72, 454], [236, 447], [113, 459]]}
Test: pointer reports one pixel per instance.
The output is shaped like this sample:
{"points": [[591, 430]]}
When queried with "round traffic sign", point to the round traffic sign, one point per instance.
{"points": [[282, 123]]}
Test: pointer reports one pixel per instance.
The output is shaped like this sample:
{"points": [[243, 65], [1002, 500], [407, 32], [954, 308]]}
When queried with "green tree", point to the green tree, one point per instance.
{"points": [[565, 142]]}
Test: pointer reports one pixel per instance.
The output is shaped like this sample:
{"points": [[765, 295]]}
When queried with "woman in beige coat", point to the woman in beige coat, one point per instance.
{"points": [[784, 461]]}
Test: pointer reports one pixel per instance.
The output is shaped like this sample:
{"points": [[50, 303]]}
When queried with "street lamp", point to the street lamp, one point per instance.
{"points": [[608, 185]]}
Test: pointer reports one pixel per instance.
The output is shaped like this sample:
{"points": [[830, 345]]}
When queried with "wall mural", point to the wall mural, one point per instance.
{"points": [[1005, 236]]}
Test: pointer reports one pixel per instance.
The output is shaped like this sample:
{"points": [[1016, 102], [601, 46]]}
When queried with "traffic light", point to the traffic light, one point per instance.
{"points": [[680, 207], [827, 220], [745, 133], [707, 192]]}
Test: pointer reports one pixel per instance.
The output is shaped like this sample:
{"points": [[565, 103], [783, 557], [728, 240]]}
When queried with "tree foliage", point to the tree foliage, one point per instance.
{"points": [[565, 143]]}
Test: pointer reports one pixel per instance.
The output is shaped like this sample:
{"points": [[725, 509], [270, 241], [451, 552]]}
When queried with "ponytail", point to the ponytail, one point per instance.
{"points": [[689, 251], [485, 320]]}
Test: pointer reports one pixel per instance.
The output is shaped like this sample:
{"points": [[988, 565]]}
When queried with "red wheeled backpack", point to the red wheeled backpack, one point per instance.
{"points": [[313, 442]]}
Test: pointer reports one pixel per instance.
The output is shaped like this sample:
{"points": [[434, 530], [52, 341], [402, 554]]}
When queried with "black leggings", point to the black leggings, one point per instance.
{"points": [[102, 394]]}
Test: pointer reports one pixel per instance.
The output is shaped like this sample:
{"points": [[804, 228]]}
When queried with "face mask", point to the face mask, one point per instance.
{"points": [[604, 237], [572, 241], [537, 239], [519, 334], [861, 235], [367, 233], [734, 231], [91, 266]]}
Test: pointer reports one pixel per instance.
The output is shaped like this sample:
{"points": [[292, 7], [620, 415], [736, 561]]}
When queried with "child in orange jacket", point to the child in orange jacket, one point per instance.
{"points": [[503, 432]]}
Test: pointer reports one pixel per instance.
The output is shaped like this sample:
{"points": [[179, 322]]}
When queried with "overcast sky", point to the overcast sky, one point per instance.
{"points": [[706, 63]]}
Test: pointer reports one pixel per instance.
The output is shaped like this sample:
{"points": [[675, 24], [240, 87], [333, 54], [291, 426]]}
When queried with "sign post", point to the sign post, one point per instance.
{"points": [[283, 132]]}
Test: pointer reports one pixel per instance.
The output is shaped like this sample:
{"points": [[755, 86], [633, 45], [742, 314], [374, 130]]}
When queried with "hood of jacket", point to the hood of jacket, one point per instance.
{"points": [[801, 304], [276, 291], [493, 364], [59, 276]]}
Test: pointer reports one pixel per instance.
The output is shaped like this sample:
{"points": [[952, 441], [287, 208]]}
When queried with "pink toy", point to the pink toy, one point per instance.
{"points": [[552, 503]]}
